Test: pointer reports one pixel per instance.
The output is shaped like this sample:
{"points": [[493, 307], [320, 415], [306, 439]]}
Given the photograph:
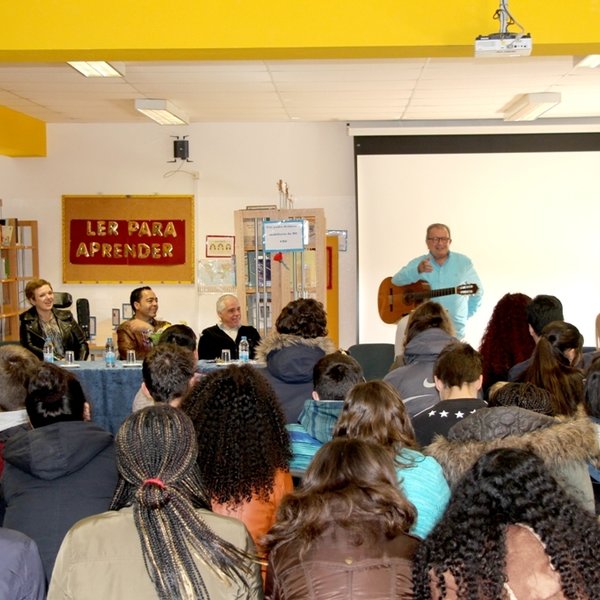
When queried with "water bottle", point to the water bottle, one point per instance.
{"points": [[110, 358], [48, 351], [244, 350]]}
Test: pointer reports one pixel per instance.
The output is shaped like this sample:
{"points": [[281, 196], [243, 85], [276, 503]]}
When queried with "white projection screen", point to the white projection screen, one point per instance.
{"points": [[524, 208]]}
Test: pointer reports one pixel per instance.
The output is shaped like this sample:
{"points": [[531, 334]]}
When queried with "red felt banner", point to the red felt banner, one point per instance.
{"points": [[157, 242]]}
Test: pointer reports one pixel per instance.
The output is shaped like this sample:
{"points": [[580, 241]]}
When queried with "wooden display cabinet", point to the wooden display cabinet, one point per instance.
{"points": [[19, 264], [266, 278]]}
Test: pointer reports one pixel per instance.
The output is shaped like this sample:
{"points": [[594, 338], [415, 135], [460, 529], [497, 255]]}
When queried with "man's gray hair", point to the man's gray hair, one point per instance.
{"points": [[222, 299]]}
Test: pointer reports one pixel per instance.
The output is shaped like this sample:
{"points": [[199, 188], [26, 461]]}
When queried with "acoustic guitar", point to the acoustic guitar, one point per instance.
{"points": [[395, 301]]}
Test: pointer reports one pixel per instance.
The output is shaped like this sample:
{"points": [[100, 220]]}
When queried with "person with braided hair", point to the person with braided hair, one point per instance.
{"points": [[510, 532], [159, 540]]}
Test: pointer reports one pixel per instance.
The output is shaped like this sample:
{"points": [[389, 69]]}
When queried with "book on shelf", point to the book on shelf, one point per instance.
{"points": [[252, 312], [258, 267], [9, 232]]}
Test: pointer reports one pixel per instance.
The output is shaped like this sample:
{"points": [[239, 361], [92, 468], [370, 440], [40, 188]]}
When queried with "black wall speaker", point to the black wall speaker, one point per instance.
{"points": [[181, 149]]}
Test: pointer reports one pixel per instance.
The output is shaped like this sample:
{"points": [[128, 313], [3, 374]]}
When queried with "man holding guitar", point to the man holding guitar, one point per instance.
{"points": [[441, 268]]}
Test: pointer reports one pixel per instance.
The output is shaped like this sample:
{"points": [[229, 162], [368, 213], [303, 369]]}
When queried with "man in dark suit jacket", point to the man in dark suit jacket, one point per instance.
{"points": [[227, 334]]}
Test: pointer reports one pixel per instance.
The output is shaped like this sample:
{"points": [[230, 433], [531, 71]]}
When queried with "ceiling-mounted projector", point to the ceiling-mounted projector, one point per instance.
{"points": [[503, 44]]}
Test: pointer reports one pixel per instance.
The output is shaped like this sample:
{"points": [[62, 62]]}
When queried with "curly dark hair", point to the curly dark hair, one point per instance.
{"points": [[305, 317], [523, 395], [351, 483], [506, 487], [242, 439], [506, 340]]}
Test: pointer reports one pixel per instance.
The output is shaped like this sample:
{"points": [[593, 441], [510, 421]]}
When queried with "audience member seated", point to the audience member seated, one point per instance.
{"points": [[21, 574], [543, 309], [457, 376], [333, 377], [159, 540], [510, 531], [180, 335], [228, 333], [428, 332], [519, 420], [592, 408], [523, 395], [16, 366], [506, 340], [60, 471], [374, 412], [168, 372], [344, 533], [291, 352], [557, 350], [43, 321], [243, 445], [137, 333]]}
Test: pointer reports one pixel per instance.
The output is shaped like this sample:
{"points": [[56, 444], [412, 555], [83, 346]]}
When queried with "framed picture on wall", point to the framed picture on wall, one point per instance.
{"points": [[92, 327], [220, 246], [116, 317], [342, 236], [127, 311]]}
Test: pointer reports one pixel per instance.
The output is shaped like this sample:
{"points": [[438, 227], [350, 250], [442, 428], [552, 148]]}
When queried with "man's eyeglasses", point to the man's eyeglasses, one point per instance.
{"points": [[435, 240]]}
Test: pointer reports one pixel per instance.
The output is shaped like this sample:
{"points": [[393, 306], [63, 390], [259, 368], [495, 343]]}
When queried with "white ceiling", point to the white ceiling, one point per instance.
{"points": [[419, 89]]}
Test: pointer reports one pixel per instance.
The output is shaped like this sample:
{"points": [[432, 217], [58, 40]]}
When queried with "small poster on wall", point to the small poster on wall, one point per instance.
{"points": [[220, 246], [216, 276]]}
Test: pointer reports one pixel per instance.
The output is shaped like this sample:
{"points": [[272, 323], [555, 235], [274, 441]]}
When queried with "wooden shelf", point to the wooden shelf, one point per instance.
{"points": [[249, 225], [21, 263]]}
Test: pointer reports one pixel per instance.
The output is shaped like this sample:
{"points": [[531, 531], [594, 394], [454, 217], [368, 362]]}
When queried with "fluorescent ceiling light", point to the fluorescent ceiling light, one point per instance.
{"points": [[591, 61], [95, 68], [529, 107], [161, 111]]}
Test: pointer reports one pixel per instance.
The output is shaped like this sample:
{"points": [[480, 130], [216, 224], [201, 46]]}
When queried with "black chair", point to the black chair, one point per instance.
{"points": [[375, 359], [63, 300]]}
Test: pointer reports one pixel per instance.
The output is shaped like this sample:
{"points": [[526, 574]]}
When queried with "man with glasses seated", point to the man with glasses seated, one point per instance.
{"points": [[441, 268]]}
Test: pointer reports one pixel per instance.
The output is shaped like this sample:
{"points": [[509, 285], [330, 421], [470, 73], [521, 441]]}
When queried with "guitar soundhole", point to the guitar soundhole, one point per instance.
{"points": [[409, 298]]}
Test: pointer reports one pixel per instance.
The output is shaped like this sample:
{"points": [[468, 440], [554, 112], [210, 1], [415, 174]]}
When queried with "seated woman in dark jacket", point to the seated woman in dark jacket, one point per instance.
{"points": [[61, 470], [344, 533], [43, 321]]}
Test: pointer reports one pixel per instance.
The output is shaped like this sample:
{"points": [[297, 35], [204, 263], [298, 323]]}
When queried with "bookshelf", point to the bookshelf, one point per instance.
{"points": [[19, 264], [268, 275]]}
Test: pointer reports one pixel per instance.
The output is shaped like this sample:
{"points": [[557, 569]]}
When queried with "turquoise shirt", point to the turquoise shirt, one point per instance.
{"points": [[457, 269], [317, 420], [423, 484]]}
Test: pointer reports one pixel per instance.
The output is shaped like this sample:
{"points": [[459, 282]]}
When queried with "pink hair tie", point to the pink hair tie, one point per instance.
{"points": [[154, 481]]}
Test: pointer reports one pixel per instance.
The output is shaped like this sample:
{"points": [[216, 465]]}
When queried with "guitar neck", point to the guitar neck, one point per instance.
{"points": [[437, 293]]}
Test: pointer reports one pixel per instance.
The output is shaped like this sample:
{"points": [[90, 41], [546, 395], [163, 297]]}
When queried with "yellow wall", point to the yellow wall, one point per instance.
{"points": [[21, 135], [123, 29], [61, 30]]}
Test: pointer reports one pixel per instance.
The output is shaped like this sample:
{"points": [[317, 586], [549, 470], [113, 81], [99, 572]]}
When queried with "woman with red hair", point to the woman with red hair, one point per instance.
{"points": [[506, 340]]}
